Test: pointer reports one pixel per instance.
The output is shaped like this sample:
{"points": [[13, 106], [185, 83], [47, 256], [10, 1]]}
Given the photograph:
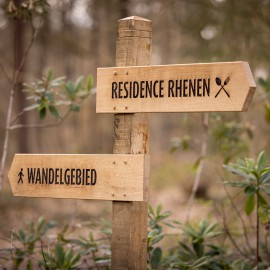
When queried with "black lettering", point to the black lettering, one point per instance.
{"points": [[51, 176], [199, 87], [31, 175], [170, 88], [83, 176], [135, 89], [192, 87], [38, 178], [161, 94], [72, 176], [87, 177], [206, 87], [120, 89], [93, 177], [154, 89], [126, 90], [78, 177], [142, 89], [148, 89], [67, 176], [185, 88], [61, 177], [44, 176], [114, 88], [178, 88], [56, 176]]}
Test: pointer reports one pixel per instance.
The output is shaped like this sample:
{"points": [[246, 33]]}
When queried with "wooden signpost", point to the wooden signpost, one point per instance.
{"points": [[131, 90], [175, 88], [102, 177]]}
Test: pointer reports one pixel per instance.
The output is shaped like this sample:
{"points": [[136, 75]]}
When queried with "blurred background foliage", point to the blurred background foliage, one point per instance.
{"points": [[76, 37]]}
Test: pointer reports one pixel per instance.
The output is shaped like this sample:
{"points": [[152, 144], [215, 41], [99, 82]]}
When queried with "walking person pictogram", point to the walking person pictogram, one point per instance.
{"points": [[21, 176]]}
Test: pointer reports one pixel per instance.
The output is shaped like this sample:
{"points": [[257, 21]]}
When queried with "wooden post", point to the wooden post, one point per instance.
{"points": [[131, 136]]}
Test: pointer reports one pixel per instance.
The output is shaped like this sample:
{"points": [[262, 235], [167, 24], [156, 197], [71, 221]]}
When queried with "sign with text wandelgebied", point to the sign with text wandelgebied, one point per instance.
{"points": [[107, 177], [208, 87]]}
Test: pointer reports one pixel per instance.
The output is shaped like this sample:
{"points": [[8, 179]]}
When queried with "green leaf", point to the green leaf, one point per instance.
{"points": [[267, 111], [156, 258], [238, 172], [261, 161], [49, 75], [265, 178], [250, 190], [41, 223], [59, 255], [54, 112], [90, 82], [158, 210], [249, 205], [237, 184], [42, 113], [78, 83]]}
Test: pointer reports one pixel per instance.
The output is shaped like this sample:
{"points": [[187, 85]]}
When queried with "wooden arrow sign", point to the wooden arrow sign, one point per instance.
{"points": [[106, 177], [175, 88]]}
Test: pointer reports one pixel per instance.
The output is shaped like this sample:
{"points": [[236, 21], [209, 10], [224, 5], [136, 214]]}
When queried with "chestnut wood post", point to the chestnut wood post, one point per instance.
{"points": [[131, 136]]}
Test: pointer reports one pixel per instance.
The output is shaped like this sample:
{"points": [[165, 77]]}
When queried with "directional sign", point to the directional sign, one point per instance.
{"points": [[175, 88], [106, 177]]}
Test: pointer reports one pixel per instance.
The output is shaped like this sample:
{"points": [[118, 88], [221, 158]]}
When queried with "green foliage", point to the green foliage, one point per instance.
{"points": [[195, 252], [26, 9], [48, 94], [228, 136], [198, 246], [254, 180], [40, 246], [265, 84], [157, 219], [180, 143]]}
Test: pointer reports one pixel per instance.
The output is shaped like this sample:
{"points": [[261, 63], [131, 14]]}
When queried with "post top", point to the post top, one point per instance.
{"points": [[135, 23], [134, 18]]}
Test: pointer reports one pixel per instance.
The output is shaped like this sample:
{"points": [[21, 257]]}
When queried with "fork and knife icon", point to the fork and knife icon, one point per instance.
{"points": [[219, 83]]}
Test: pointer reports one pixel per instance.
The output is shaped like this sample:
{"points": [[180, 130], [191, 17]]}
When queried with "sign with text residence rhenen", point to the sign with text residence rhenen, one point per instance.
{"points": [[227, 86]]}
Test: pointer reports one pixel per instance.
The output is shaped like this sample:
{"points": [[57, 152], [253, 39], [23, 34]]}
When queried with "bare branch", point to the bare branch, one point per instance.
{"points": [[240, 217], [15, 79], [44, 125], [228, 233], [33, 37]]}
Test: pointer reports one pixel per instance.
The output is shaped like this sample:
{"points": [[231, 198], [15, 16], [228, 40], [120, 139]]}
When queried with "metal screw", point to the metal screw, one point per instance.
{"points": [[126, 107], [114, 73]]}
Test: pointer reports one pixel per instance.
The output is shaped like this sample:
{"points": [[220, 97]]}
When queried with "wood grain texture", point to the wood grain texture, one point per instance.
{"points": [[235, 78], [131, 136], [116, 177]]}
